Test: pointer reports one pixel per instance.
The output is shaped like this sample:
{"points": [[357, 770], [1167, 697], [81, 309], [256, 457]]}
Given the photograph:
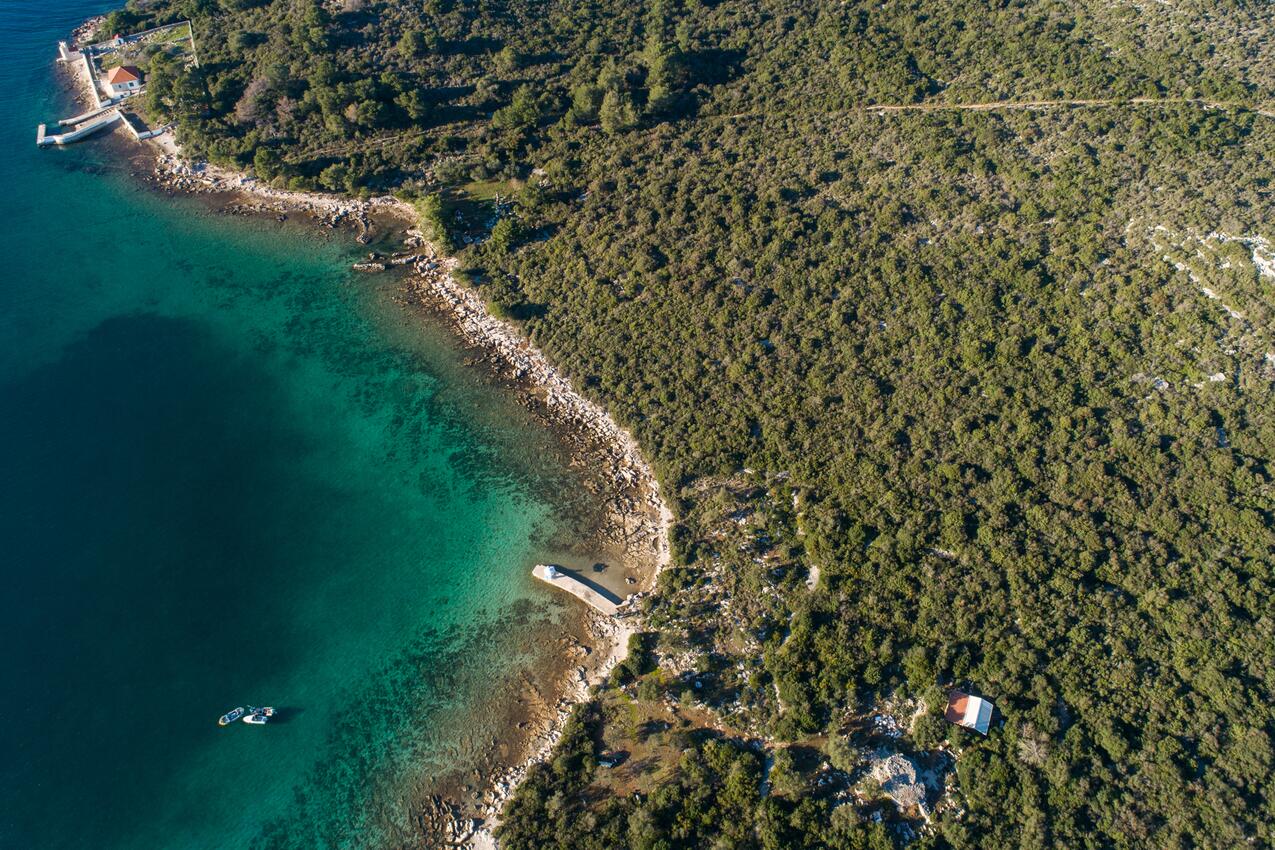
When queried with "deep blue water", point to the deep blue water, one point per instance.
{"points": [[231, 471]]}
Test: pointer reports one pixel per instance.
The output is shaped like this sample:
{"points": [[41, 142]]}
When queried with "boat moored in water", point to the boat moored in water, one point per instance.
{"points": [[257, 716], [230, 716]]}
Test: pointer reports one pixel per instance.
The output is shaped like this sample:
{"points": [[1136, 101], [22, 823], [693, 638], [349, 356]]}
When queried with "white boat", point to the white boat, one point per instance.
{"points": [[230, 717], [258, 716]]}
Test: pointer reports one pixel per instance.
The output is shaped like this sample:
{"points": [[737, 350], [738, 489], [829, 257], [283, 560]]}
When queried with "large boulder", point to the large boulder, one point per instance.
{"points": [[897, 776]]}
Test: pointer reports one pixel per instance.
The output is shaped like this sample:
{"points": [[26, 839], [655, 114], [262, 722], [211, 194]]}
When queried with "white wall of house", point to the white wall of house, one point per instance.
{"points": [[120, 89]]}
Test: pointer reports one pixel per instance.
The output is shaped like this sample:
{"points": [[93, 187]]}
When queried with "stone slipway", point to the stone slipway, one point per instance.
{"points": [[577, 588]]}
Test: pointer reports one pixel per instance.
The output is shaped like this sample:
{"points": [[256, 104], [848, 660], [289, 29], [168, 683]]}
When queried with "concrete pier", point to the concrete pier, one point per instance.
{"points": [[84, 116], [44, 139], [577, 588]]}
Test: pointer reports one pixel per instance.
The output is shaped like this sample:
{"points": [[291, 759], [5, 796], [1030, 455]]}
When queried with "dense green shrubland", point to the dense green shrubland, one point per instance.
{"points": [[951, 350]]}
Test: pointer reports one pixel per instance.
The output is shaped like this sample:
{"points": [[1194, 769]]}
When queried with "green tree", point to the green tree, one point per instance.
{"points": [[617, 113], [412, 45], [313, 24], [508, 59], [522, 112], [784, 777], [842, 755], [370, 114], [659, 99], [415, 104], [505, 234], [335, 177], [586, 99], [610, 78], [267, 163], [929, 731], [429, 209]]}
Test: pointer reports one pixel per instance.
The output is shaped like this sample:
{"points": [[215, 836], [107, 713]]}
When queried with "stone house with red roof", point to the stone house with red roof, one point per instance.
{"points": [[123, 80]]}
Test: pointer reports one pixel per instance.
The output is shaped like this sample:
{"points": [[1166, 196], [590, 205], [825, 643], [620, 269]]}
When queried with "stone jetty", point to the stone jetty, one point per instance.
{"points": [[573, 585]]}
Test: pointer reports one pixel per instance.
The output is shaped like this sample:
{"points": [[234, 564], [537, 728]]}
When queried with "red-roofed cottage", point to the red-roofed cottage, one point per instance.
{"points": [[123, 80], [968, 711]]}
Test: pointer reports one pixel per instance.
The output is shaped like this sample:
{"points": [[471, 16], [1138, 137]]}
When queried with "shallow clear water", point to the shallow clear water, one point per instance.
{"points": [[232, 471]]}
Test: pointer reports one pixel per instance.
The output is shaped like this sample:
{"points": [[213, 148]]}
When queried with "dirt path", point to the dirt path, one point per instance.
{"points": [[1267, 110], [1047, 104]]}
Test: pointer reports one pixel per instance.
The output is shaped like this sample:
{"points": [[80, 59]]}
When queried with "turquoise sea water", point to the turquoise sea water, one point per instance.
{"points": [[232, 471]]}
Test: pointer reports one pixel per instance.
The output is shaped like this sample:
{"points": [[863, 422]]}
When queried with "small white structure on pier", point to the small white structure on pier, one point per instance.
{"points": [[110, 88], [550, 574]]}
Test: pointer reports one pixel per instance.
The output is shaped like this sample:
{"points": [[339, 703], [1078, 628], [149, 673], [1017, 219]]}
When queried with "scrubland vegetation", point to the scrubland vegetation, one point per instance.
{"points": [[977, 397]]}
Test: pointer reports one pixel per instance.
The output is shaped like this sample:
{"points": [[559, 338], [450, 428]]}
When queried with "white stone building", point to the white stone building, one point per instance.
{"points": [[123, 80]]}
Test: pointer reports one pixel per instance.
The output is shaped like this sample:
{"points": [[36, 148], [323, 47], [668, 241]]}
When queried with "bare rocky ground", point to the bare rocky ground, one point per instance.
{"points": [[249, 196]]}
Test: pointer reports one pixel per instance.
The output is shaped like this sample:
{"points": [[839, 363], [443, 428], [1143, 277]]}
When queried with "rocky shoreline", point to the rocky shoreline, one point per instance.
{"points": [[478, 833], [446, 818], [252, 197], [636, 501], [635, 520]]}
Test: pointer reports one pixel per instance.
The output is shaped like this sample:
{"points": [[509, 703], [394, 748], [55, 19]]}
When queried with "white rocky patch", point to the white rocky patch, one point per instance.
{"points": [[897, 775]]}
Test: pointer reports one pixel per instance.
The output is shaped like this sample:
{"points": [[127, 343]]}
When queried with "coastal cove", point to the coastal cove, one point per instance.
{"points": [[237, 471], [664, 426]]}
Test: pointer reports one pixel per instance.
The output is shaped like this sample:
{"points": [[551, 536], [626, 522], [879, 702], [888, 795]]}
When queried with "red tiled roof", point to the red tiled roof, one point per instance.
{"points": [[124, 74], [957, 702]]}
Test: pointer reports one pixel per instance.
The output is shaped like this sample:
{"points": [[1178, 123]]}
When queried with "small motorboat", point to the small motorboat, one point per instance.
{"points": [[258, 716], [230, 717]]}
